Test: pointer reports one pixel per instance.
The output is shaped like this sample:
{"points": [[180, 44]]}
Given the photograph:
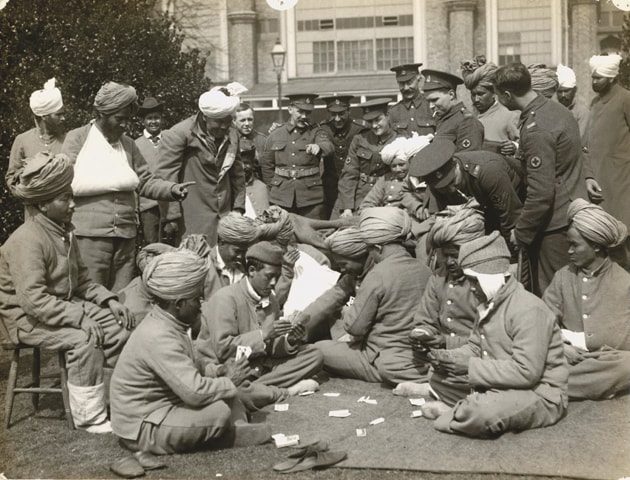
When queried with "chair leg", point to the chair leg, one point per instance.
{"points": [[35, 374], [11, 383], [64, 388]]}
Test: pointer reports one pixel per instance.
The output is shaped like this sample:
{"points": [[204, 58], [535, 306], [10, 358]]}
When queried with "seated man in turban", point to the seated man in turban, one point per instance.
{"points": [[448, 309], [499, 124], [381, 316], [247, 314], [160, 401], [514, 359], [591, 300], [109, 172], [47, 135], [47, 299], [204, 149]]}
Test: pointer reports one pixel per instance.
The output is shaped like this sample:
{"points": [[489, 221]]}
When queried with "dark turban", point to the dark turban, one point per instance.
{"points": [[478, 72], [175, 275], [595, 224], [113, 97], [544, 80], [237, 229], [381, 225], [44, 177]]}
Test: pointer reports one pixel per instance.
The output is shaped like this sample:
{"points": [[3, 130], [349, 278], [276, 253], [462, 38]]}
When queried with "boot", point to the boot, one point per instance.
{"points": [[87, 405]]}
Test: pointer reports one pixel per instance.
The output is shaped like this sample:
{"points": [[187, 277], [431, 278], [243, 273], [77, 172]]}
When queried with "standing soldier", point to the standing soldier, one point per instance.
{"points": [[291, 160], [341, 129], [251, 142], [455, 122], [412, 113], [364, 164]]}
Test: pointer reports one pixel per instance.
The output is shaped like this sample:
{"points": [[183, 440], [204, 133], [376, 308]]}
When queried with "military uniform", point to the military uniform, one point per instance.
{"points": [[551, 152], [408, 116], [292, 175], [251, 147], [462, 128]]}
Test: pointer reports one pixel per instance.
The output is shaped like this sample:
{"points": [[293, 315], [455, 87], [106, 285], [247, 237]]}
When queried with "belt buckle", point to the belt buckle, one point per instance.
{"points": [[293, 174]]}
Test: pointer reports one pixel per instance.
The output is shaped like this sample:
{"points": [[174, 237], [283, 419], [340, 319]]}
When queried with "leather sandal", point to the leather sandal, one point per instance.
{"points": [[317, 460], [127, 467], [299, 453], [148, 461]]}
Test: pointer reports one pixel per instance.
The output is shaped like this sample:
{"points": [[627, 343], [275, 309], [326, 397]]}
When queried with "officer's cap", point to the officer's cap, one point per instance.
{"points": [[437, 80], [406, 72], [373, 108], [434, 163], [304, 101], [337, 103]]}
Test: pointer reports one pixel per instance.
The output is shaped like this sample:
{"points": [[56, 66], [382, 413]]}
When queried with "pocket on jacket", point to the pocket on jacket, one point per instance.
{"points": [[276, 181], [314, 182], [401, 126], [277, 146], [365, 154]]}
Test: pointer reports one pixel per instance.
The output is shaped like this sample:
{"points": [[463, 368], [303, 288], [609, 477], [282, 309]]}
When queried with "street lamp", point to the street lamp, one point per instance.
{"points": [[278, 55]]}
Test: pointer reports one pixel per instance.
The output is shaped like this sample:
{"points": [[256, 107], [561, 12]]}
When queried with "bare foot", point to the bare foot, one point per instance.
{"points": [[412, 389], [302, 386], [433, 410]]}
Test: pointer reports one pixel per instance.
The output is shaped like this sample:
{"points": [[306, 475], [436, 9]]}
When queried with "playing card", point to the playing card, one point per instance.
{"points": [[361, 432], [377, 421], [416, 413], [281, 407], [339, 413], [417, 402]]}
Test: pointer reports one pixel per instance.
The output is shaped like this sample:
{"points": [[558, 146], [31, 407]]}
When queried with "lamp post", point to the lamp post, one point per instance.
{"points": [[278, 55]]}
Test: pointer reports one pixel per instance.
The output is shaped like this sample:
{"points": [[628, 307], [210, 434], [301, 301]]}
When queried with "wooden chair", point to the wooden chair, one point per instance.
{"points": [[34, 387]]}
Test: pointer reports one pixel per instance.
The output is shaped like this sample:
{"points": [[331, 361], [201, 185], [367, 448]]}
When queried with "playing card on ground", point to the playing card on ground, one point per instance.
{"points": [[339, 413]]}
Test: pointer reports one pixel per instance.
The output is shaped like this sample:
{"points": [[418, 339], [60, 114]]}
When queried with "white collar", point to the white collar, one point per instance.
{"points": [[264, 302], [149, 136]]}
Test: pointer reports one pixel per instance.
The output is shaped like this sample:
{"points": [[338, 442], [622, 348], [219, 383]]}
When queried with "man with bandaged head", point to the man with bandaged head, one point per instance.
{"points": [[47, 135], [161, 402], [204, 148], [47, 299], [512, 370], [379, 320], [109, 173], [608, 137], [591, 300], [566, 93]]}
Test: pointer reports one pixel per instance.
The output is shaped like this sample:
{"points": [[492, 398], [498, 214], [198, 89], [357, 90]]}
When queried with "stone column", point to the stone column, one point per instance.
{"points": [[241, 17], [583, 44], [461, 15]]}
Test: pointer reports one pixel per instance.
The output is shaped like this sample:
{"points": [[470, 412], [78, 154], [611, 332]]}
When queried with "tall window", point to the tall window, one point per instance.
{"points": [[352, 36]]}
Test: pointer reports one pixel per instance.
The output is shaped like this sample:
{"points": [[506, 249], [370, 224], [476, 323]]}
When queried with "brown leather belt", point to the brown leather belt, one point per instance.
{"points": [[367, 178], [297, 172]]}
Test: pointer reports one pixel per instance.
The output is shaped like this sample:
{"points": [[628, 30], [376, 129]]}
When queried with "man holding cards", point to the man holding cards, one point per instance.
{"points": [[245, 317]]}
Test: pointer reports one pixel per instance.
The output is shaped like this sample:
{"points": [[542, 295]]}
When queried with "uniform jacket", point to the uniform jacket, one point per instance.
{"points": [[43, 280], [26, 145], [149, 151], [550, 147], [341, 139], [462, 128], [490, 180], [408, 116], [391, 192], [255, 142], [156, 371], [597, 304], [233, 317], [188, 154], [447, 307], [518, 345], [608, 143], [383, 310], [286, 149], [362, 167], [113, 214]]}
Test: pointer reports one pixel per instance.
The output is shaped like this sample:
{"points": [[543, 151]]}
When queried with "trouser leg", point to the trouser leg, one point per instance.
{"points": [[123, 263], [600, 375], [97, 253], [312, 211], [497, 411], [397, 365], [548, 255], [347, 361], [114, 335], [286, 372], [450, 390], [150, 220]]}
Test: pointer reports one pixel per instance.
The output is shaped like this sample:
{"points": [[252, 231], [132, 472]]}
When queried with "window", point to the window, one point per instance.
{"points": [[393, 51], [355, 55], [323, 57]]}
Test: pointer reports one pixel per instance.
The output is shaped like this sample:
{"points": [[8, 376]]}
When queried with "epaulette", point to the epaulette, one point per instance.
{"points": [[466, 113], [474, 169]]}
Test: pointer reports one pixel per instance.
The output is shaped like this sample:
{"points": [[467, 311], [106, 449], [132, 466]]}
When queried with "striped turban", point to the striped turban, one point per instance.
{"points": [[404, 148], [196, 243], [275, 224], [237, 229], [221, 102], [595, 224], [381, 225], [347, 242], [478, 72], [544, 80], [462, 224], [151, 251], [113, 97], [605, 65], [46, 101], [175, 275], [44, 177]]}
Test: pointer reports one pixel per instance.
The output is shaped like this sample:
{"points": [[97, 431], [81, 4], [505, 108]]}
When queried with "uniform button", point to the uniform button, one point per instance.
{"points": [[115, 215], [391, 187], [485, 353], [449, 302], [293, 166], [483, 337], [585, 316], [412, 107], [584, 297], [293, 143], [411, 118], [293, 154], [449, 319], [452, 334], [450, 285], [585, 279]]}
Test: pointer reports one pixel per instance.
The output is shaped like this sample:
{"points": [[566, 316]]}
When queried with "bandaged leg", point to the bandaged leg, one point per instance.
{"points": [[87, 405]]}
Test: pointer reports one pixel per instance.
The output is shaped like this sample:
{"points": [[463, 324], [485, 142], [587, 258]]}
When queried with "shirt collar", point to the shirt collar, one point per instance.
{"points": [[262, 302], [595, 273], [149, 136]]}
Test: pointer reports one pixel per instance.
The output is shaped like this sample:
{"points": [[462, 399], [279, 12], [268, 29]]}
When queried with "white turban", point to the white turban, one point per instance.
{"points": [[174, 275], [46, 101], [566, 77], [220, 102], [605, 65], [404, 148]]}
